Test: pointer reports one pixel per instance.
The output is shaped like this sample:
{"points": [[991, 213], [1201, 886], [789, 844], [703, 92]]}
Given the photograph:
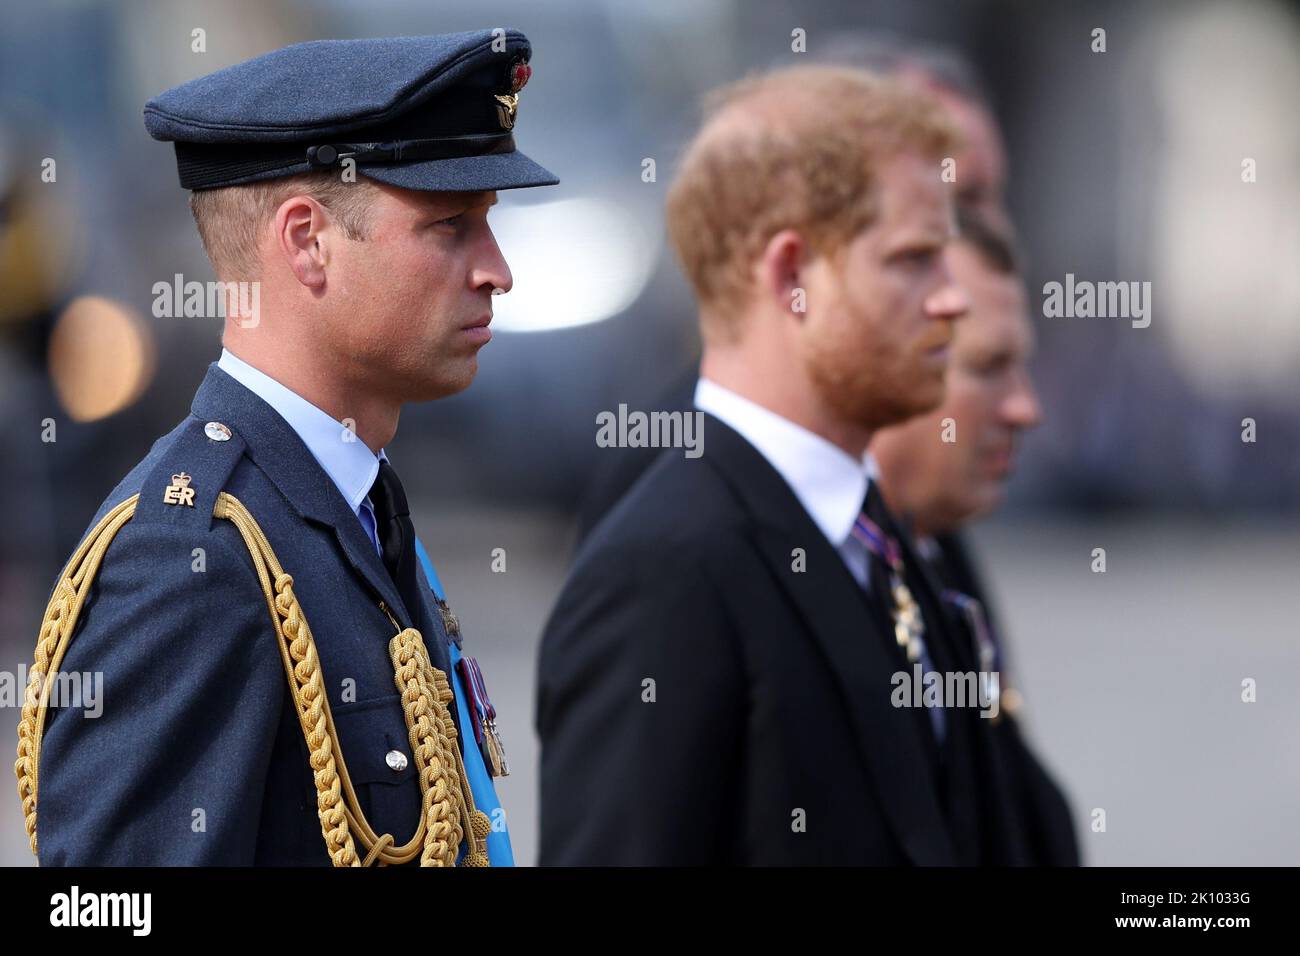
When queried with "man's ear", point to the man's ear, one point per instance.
{"points": [[781, 272], [300, 224]]}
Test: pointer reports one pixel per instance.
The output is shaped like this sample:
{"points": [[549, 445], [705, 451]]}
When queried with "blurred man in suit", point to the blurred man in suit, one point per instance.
{"points": [[981, 168], [715, 681], [941, 470], [944, 468]]}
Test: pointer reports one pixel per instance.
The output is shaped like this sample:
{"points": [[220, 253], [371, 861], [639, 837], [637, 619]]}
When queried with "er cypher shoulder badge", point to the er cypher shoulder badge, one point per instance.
{"points": [[179, 491]]}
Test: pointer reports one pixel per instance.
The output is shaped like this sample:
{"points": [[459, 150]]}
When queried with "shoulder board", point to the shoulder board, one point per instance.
{"points": [[182, 486]]}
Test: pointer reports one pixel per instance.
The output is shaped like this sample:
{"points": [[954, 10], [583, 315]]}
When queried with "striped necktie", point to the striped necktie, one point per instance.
{"points": [[874, 528]]}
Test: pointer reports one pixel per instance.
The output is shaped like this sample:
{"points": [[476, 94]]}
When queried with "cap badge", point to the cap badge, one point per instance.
{"points": [[519, 75], [507, 106], [508, 103]]}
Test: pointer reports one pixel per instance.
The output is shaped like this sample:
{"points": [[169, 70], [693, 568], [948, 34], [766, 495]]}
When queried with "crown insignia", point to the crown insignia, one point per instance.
{"points": [[179, 491]]}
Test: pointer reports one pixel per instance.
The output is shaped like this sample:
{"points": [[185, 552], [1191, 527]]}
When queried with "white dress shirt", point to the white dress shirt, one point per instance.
{"points": [[829, 482], [348, 461]]}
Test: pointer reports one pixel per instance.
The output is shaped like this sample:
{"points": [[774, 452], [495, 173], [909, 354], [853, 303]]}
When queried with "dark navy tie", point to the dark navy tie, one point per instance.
{"points": [[396, 536]]}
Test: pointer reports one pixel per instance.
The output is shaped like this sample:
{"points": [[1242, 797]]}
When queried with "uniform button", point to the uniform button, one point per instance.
{"points": [[216, 431], [397, 760]]}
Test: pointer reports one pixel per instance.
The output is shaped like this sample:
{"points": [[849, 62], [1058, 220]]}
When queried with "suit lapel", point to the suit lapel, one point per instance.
{"points": [[830, 601], [996, 810], [950, 651]]}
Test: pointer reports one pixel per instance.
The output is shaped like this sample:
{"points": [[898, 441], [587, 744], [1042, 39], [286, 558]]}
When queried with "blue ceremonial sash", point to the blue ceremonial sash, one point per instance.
{"points": [[480, 781]]}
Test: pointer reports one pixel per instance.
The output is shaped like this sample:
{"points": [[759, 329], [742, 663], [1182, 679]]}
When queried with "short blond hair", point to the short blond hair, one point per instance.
{"points": [[797, 148], [230, 218]]}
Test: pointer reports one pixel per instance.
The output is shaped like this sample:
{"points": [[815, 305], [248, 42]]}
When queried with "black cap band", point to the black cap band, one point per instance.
{"points": [[214, 165], [448, 147]]}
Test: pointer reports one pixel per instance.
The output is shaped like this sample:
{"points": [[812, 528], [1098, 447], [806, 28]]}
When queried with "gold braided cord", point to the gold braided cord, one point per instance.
{"points": [[60, 618], [447, 800], [425, 696]]}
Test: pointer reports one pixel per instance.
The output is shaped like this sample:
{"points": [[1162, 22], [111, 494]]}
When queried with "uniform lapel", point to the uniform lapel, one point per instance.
{"points": [[830, 601], [278, 451], [429, 622]]}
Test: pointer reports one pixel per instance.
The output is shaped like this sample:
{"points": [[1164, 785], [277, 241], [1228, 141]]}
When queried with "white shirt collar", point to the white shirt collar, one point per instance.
{"points": [[350, 464], [830, 483]]}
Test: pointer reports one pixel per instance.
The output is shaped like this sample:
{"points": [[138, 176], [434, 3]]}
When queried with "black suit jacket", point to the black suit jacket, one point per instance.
{"points": [[702, 701], [1044, 815], [618, 469]]}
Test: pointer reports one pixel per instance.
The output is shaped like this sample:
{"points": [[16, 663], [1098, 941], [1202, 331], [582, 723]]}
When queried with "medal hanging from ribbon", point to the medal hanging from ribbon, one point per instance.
{"points": [[985, 648], [484, 717], [909, 626]]}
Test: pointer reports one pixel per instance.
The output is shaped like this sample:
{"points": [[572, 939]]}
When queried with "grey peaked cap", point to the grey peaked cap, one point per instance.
{"points": [[431, 113]]}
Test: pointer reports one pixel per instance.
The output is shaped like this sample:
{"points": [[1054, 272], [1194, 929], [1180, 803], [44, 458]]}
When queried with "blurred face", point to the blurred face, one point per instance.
{"points": [[982, 161], [990, 399], [415, 296], [875, 340], [981, 165]]}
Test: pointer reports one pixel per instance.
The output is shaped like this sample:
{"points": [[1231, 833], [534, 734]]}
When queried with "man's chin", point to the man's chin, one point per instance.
{"points": [[879, 403], [986, 499], [920, 401], [449, 383]]}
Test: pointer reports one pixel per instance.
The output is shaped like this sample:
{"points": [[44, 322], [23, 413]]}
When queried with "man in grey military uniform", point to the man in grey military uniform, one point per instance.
{"points": [[215, 745]]}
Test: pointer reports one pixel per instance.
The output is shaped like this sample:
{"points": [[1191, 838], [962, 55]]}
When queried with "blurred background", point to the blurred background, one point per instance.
{"points": [[1125, 165]]}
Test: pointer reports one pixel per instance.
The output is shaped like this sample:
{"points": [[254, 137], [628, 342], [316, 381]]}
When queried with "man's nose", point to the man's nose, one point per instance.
{"points": [[492, 270], [1021, 408], [948, 302]]}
